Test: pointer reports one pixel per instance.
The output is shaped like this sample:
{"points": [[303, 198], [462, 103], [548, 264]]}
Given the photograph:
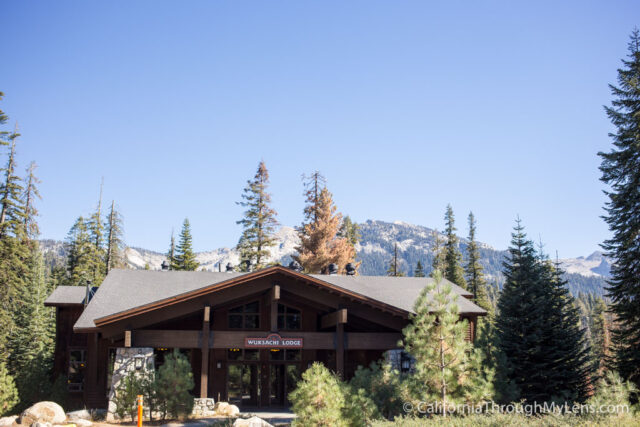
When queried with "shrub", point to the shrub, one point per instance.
{"points": [[383, 385], [126, 395], [174, 381], [613, 392], [8, 391], [318, 399]]}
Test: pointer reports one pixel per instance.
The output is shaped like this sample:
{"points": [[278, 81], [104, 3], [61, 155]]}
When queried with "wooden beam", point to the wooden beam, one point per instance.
{"points": [[340, 350], [204, 372], [275, 297], [333, 319], [127, 338], [372, 340], [168, 339]]}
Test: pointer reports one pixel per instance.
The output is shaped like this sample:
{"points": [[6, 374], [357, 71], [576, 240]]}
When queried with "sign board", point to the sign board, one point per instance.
{"points": [[273, 341]]}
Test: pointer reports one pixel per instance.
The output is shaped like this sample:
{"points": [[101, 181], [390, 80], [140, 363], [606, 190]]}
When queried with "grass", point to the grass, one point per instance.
{"points": [[499, 420]]}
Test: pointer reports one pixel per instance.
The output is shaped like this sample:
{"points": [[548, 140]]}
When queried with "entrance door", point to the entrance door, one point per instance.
{"points": [[244, 384], [282, 381]]}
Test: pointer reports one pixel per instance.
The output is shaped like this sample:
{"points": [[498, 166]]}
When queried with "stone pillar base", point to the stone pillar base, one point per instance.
{"points": [[203, 407]]}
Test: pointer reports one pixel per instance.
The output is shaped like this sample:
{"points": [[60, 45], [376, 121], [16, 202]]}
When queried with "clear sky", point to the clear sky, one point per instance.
{"points": [[494, 107]]}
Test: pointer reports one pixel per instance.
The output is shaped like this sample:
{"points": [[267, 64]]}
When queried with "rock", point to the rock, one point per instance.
{"points": [[43, 412], [251, 422], [82, 423], [39, 424], [8, 421], [82, 414], [220, 408], [232, 411]]}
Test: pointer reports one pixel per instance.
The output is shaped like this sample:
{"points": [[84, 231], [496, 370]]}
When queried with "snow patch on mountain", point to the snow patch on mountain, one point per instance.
{"points": [[595, 265]]}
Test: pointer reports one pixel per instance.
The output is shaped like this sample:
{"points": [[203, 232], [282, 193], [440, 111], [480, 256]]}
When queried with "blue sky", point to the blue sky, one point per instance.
{"points": [[494, 107]]}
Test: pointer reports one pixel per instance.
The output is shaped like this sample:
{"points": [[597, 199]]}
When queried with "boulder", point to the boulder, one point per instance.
{"points": [[232, 411], [82, 423], [39, 424], [43, 412], [251, 422], [220, 408], [8, 421], [82, 414]]}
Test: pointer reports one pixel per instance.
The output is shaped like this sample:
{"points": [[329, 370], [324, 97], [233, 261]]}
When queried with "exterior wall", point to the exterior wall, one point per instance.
{"points": [[66, 342]]}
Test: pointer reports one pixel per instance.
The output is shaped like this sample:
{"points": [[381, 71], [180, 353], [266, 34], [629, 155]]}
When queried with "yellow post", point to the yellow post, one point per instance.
{"points": [[139, 410]]}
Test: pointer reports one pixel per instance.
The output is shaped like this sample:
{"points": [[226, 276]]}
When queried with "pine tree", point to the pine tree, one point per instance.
{"points": [[8, 391], [394, 265], [32, 344], [419, 271], [171, 254], [621, 171], [80, 254], [320, 244], [475, 278], [318, 399], [31, 194], [436, 339], [437, 263], [115, 244], [185, 257], [97, 257], [259, 222], [12, 208], [452, 257], [538, 328], [350, 230], [599, 327]]}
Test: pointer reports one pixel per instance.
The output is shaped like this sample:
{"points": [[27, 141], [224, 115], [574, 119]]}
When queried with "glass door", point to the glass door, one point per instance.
{"points": [[283, 379], [243, 382]]}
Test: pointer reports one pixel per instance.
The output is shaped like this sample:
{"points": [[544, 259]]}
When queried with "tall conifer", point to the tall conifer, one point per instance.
{"points": [[30, 196], [80, 254], [437, 263], [621, 171], [419, 271], [394, 264], [475, 278], [320, 244], [259, 222], [171, 253], [185, 257], [11, 205], [453, 270], [114, 257]]}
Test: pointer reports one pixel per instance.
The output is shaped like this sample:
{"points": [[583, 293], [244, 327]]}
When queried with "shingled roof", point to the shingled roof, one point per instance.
{"points": [[68, 295], [125, 290]]}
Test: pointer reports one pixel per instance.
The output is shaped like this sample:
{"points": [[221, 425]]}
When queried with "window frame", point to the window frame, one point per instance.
{"points": [[80, 366], [243, 314], [284, 315]]}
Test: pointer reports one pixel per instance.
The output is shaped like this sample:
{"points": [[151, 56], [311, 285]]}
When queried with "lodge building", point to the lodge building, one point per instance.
{"points": [[248, 335]]}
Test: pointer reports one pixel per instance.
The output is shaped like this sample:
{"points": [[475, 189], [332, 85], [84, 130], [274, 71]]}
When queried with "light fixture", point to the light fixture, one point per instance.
{"points": [[138, 360]]}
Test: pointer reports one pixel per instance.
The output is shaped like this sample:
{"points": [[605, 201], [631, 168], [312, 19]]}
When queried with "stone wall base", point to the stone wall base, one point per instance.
{"points": [[203, 407]]}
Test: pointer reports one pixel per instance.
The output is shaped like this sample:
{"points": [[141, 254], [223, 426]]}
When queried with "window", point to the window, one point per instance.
{"points": [[288, 318], [77, 364], [279, 354], [240, 354], [245, 316]]}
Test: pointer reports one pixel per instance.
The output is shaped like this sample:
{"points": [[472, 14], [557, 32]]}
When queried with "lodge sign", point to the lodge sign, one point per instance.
{"points": [[273, 341]]}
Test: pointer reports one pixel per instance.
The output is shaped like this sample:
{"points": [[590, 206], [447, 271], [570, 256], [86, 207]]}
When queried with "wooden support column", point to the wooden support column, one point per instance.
{"points": [[340, 349], [204, 372], [275, 297]]}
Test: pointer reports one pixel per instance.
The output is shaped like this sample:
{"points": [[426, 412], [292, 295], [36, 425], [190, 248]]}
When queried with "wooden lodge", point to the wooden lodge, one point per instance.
{"points": [[248, 335]]}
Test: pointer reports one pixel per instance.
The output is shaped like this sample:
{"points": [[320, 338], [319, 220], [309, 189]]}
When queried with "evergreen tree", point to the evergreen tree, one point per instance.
{"points": [[438, 262], [97, 256], [32, 343], [174, 381], [475, 278], [12, 208], [394, 265], [171, 254], [115, 243], [8, 391], [538, 328], [80, 254], [350, 230], [318, 399], [31, 194], [436, 338], [621, 171], [185, 257], [320, 244], [259, 222], [453, 271], [599, 327], [419, 271]]}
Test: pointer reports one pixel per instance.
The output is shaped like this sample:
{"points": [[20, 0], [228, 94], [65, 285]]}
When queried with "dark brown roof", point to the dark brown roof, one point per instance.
{"points": [[125, 293]]}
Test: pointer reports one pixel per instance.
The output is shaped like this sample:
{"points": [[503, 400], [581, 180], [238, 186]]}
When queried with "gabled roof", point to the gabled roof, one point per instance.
{"points": [[68, 295], [126, 293]]}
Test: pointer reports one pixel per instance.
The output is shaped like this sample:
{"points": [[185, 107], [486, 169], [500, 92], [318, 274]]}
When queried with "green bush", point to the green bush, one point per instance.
{"points": [[384, 387], [126, 395], [318, 399], [8, 391], [174, 381]]}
